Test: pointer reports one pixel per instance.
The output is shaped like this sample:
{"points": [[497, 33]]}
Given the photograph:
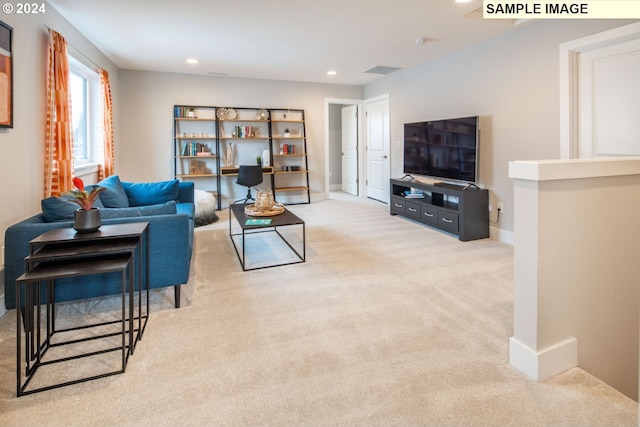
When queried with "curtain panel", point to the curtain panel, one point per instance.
{"points": [[58, 165], [107, 167]]}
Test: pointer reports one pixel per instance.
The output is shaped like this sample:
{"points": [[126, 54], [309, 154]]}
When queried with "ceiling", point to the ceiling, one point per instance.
{"points": [[295, 40]]}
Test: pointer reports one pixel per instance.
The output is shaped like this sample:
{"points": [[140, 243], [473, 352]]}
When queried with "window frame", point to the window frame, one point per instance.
{"points": [[93, 116]]}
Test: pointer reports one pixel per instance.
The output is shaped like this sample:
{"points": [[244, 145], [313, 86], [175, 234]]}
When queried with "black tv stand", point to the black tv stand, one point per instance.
{"points": [[453, 208]]}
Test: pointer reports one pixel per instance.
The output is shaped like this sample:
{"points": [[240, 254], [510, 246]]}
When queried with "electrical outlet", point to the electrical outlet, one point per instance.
{"points": [[500, 207]]}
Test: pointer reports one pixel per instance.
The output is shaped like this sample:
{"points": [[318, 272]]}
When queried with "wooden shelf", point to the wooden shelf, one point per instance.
{"points": [[214, 156], [289, 155], [199, 175], [287, 121], [243, 121], [196, 119], [292, 188], [288, 137], [245, 139], [231, 171], [211, 137], [285, 172]]}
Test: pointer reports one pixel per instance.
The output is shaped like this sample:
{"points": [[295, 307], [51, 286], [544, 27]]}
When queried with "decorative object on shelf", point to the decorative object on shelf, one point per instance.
{"points": [[259, 161], [224, 113], [229, 158], [230, 114], [191, 114], [287, 134], [266, 161], [262, 114]]}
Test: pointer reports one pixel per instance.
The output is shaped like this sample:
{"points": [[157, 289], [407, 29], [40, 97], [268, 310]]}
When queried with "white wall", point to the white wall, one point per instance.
{"points": [[511, 81], [145, 152]]}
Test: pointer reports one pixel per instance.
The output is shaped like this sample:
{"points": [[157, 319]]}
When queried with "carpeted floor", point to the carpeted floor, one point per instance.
{"points": [[387, 323]]}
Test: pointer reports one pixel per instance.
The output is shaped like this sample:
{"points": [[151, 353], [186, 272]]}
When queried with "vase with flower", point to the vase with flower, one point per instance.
{"points": [[87, 218]]}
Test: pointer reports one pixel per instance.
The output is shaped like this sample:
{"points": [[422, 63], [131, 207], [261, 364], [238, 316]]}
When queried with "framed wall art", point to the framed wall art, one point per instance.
{"points": [[6, 76]]}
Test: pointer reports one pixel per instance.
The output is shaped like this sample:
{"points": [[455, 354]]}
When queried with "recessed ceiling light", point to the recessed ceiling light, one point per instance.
{"points": [[463, 1], [192, 61], [421, 40], [331, 73]]}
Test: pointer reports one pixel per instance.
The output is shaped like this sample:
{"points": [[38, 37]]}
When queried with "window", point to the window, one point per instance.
{"points": [[85, 111]]}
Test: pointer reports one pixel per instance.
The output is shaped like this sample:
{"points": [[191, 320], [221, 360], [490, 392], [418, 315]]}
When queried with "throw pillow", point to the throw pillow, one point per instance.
{"points": [[62, 208], [58, 208], [159, 209], [151, 193], [114, 195]]}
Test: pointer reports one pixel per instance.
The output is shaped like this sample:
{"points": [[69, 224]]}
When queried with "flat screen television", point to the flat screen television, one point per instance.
{"points": [[443, 149]]}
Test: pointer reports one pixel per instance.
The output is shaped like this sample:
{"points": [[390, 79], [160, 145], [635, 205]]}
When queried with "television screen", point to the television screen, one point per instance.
{"points": [[444, 149]]}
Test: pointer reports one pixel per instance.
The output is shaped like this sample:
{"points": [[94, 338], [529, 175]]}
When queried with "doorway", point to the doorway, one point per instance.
{"points": [[349, 167], [343, 127]]}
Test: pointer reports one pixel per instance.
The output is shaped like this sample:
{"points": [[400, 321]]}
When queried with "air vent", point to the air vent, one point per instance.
{"points": [[382, 70], [478, 14], [475, 14]]}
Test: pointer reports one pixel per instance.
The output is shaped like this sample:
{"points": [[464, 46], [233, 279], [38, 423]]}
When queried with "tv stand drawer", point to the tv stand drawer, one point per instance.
{"points": [[448, 221], [412, 210], [397, 206], [429, 214]]}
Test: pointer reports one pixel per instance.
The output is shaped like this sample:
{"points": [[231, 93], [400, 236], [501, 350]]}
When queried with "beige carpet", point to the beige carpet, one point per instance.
{"points": [[388, 323]]}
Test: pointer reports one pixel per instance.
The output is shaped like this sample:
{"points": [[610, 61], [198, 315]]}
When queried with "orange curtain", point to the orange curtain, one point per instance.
{"points": [[58, 150], [106, 169]]}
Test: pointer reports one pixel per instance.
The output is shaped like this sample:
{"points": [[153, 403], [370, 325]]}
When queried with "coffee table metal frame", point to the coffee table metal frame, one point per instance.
{"points": [[285, 219], [62, 253]]}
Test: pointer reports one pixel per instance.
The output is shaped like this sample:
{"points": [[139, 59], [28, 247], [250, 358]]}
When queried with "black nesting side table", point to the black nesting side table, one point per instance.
{"points": [[62, 253]]}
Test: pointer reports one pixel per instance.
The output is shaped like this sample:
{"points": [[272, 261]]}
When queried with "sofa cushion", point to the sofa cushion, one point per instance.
{"points": [[158, 209], [114, 195], [62, 208], [151, 193]]}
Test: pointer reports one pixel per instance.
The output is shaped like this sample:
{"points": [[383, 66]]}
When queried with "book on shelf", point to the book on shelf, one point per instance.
{"points": [[413, 193], [192, 148]]}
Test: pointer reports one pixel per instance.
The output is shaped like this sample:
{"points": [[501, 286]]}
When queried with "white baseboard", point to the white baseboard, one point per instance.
{"points": [[501, 235], [543, 364]]}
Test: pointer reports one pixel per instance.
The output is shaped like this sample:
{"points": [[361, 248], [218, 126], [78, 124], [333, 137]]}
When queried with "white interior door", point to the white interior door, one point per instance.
{"points": [[609, 100], [350, 150], [599, 94], [378, 164]]}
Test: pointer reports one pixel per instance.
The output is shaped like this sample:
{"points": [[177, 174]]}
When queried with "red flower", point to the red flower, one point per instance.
{"points": [[78, 183], [81, 196]]}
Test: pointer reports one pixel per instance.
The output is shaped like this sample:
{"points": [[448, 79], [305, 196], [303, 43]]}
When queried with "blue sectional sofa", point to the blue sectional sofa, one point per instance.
{"points": [[169, 208]]}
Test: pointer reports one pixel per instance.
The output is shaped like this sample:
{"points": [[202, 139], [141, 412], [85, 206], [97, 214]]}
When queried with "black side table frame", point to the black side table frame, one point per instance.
{"points": [[64, 253], [37, 345], [287, 218]]}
